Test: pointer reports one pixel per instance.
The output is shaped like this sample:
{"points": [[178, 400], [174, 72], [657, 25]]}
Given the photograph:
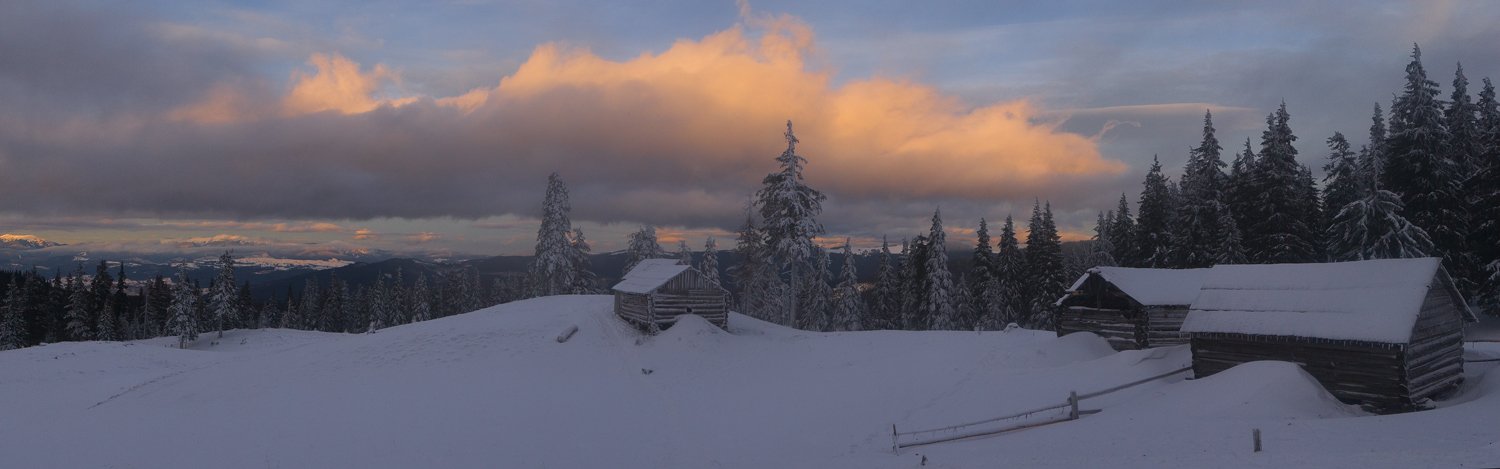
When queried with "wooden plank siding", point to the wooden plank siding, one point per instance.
{"points": [[685, 293], [1365, 372], [1435, 354], [1101, 308]]}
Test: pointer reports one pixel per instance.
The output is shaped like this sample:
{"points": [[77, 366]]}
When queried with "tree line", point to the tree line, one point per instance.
{"points": [[104, 306]]}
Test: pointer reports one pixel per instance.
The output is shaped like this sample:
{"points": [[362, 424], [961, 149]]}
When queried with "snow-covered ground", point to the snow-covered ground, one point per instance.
{"points": [[493, 388]]}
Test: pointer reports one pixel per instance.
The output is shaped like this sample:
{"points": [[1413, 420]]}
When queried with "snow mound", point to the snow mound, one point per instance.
{"points": [[1255, 390], [690, 325], [1073, 348]]}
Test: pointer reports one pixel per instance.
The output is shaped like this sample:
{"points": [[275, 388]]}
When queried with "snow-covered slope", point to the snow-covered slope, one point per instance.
{"points": [[493, 388]]}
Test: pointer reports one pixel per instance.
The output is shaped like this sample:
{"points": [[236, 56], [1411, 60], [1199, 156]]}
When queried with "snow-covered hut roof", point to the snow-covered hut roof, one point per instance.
{"points": [[1149, 287], [1376, 300], [649, 274]]}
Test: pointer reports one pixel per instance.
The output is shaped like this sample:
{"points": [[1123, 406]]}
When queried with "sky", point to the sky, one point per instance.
{"points": [[430, 127]]}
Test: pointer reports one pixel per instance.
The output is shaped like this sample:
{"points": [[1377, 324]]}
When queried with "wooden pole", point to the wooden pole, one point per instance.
{"points": [[1072, 405], [1256, 435], [895, 447]]}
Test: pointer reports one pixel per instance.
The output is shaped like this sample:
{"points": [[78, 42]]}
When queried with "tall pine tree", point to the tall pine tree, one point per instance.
{"points": [[1153, 230], [789, 208], [553, 265], [1199, 228], [848, 307]]}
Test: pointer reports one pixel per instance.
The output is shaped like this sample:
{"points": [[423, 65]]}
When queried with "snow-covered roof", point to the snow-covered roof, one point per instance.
{"points": [[1376, 301], [1149, 287], [649, 274]]}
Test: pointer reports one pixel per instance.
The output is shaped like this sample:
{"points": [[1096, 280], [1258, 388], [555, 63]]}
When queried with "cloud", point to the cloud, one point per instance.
{"points": [[364, 234], [338, 85]]}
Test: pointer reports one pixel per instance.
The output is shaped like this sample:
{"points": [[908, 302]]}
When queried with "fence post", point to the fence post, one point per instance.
{"points": [[1256, 435], [1072, 405], [895, 447]]}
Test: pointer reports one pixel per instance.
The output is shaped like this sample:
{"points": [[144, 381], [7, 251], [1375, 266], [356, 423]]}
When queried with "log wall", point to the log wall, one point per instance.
{"points": [[1435, 355], [1123, 332], [1364, 372], [1164, 326], [687, 293]]}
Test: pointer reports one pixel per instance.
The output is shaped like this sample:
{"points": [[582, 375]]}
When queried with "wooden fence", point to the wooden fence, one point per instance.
{"points": [[1068, 410]]}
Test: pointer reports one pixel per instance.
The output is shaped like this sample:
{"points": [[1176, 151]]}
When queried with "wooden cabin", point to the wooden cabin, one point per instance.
{"points": [[1384, 333], [1131, 308], [656, 291]]}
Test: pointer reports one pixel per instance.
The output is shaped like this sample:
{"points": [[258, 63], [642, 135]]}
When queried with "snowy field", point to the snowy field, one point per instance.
{"points": [[494, 388]]}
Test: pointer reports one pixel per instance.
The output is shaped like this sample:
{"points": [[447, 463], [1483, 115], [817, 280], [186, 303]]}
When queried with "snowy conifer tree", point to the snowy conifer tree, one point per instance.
{"points": [[421, 306], [684, 255], [1420, 168], [79, 318], [1010, 273], [183, 312], [1122, 234], [748, 275], [709, 267], [982, 286], [1153, 229], [312, 301], [941, 310], [849, 308], [1044, 267], [885, 299], [1100, 246], [642, 245], [1285, 213], [12, 324], [1485, 193], [789, 208], [1371, 227], [815, 294], [914, 288], [290, 319], [1462, 120], [585, 281], [108, 324], [1199, 230], [1231, 248], [225, 297], [1341, 186], [552, 269], [270, 314]]}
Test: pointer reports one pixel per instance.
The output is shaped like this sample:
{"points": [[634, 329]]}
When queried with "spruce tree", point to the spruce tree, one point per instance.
{"points": [[642, 245], [1153, 234], [941, 311], [1199, 228], [290, 319], [885, 300], [981, 284], [684, 255], [421, 300], [1421, 168], [1485, 193], [109, 325], [1100, 246], [585, 281], [914, 284], [1340, 184], [183, 311], [1122, 235], [789, 208], [1010, 273], [311, 308], [225, 298], [709, 266], [815, 294], [12, 322], [1044, 268], [79, 319], [1285, 213], [553, 263], [849, 308], [1372, 227], [1462, 120]]}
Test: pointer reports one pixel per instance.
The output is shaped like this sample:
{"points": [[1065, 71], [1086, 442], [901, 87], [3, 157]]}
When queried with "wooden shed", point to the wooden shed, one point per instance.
{"points": [[1384, 333], [656, 291], [1131, 308]]}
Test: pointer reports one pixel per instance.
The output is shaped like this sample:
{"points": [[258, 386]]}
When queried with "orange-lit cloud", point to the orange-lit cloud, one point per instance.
{"points": [[338, 85], [364, 233]]}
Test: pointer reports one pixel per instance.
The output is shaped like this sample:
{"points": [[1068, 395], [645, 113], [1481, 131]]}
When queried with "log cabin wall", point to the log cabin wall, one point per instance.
{"points": [[1164, 326], [1434, 356], [1366, 372], [685, 293], [1101, 308]]}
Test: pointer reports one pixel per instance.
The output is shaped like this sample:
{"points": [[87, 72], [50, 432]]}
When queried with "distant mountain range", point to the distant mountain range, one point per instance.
{"points": [[24, 242]]}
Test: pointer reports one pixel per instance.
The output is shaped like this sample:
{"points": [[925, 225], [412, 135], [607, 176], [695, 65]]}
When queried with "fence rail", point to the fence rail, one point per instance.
{"points": [[986, 427]]}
